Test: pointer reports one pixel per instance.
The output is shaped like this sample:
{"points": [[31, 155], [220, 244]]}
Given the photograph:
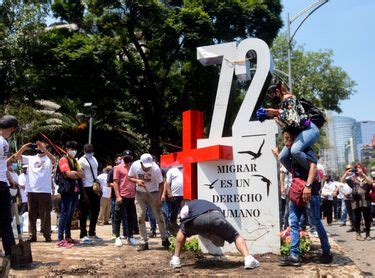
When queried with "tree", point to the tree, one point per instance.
{"points": [[315, 77]]}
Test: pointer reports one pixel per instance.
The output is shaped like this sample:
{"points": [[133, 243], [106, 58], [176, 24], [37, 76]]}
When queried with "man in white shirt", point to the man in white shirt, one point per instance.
{"points": [[39, 187], [149, 180], [23, 183], [90, 200], [328, 192], [8, 125], [175, 181], [105, 202]]}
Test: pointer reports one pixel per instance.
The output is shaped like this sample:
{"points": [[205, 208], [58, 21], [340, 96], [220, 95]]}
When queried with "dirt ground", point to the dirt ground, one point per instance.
{"points": [[106, 259]]}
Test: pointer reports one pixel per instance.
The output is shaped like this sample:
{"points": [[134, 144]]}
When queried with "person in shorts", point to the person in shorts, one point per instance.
{"points": [[201, 217]]}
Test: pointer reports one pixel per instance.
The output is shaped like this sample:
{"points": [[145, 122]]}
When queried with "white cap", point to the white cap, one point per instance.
{"points": [[25, 166], [147, 160], [184, 212]]}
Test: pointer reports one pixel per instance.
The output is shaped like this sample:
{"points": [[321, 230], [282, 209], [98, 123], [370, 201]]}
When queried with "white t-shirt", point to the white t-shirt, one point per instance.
{"points": [[176, 180], [152, 178], [344, 188], [4, 150], [23, 180], [39, 172], [103, 184], [329, 188], [88, 179]]}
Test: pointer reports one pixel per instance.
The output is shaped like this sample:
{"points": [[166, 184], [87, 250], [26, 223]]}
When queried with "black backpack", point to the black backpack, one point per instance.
{"points": [[316, 115]]}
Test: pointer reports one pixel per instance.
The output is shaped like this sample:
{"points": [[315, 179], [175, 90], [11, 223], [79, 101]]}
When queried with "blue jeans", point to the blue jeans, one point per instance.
{"points": [[68, 204], [294, 219], [304, 139], [151, 219]]}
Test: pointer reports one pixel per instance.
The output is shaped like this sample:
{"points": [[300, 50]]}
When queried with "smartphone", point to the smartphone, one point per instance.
{"points": [[354, 170], [33, 146]]}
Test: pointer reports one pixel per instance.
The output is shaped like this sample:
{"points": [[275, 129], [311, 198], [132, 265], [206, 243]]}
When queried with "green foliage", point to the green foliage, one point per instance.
{"points": [[190, 245], [305, 246], [315, 77]]}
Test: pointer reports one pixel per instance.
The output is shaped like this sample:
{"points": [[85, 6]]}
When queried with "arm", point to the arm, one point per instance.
{"points": [[117, 191], [18, 155], [306, 196], [282, 182], [137, 181], [343, 178]]}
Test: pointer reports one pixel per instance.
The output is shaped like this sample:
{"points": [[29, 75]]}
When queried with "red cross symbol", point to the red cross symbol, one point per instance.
{"points": [[192, 130]]}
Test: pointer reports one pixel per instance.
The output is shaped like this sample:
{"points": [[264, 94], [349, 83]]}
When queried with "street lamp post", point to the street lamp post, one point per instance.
{"points": [[89, 117], [311, 9]]}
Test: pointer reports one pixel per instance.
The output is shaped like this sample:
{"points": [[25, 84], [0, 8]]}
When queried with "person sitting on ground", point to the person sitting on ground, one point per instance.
{"points": [[361, 186], [289, 113], [201, 217], [310, 196]]}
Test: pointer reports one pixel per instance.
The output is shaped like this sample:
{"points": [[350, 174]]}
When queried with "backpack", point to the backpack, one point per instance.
{"points": [[316, 115]]}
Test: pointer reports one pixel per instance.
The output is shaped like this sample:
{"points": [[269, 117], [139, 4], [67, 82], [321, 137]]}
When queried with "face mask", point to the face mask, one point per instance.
{"points": [[72, 153], [89, 155], [119, 161], [373, 174], [39, 152], [14, 166]]}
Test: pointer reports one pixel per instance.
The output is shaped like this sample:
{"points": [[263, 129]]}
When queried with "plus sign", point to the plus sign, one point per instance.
{"points": [[192, 130]]}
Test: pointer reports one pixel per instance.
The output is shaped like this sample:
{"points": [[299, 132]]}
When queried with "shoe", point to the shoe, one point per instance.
{"points": [[314, 234], [114, 237], [251, 262], [118, 242], [175, 262], [351, 230], [32, 239], [64, 243], [165, 243], [290, 261], [48, 239], [359, 237], [5, 267], [342, 224], [152, 234], [326, 258], [367, 237], [86, 240], [73, 241], [132, 241], [96, 238], [123, 237], [143, 246]]}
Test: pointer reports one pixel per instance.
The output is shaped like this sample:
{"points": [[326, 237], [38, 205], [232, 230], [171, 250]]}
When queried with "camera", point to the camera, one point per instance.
{"points": [[354, 170]]}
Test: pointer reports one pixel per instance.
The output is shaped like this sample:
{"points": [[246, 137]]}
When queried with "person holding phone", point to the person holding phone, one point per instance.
{"points": [[39, 187], [361, 186]]}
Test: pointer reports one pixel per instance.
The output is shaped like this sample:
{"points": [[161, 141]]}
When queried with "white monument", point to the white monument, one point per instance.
{"points": [[246, 188]]}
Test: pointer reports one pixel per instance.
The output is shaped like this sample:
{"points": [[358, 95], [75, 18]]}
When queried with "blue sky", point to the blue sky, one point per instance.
{"points": [[348, 28]]}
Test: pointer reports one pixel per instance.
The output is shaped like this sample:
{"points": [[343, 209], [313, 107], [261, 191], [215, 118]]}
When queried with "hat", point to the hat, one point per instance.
{"points": [[25, 166], [127, 153], [147, 160], [8, 121]]}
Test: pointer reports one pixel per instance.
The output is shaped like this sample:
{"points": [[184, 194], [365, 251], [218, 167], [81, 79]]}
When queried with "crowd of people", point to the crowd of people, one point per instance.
{"points": [[130, 191]]}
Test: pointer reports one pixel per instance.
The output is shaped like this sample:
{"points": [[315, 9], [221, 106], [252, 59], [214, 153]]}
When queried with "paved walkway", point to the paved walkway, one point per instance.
{"points": [[361, 252], [110, 261]]}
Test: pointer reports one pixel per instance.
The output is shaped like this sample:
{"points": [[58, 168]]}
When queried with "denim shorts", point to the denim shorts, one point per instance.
{"points": [[210, 223]]}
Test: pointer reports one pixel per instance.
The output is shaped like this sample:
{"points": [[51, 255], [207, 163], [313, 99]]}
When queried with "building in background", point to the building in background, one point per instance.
{"points": [[363, 132], [349, 151]]}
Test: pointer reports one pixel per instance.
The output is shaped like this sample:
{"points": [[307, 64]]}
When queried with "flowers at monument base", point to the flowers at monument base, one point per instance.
{"points": [[305, 242]]}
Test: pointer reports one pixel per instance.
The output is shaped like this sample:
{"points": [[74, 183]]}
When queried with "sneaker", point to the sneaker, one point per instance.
{"points": [[132, 241], [315, 234], [351, 230], [290, 261], [342, 224], [86, 240], [143, 246], [251, 262], [73, 241], [165, 243], [326, 258], [175, 262], [96, 238], [118, 242], [48, 239], [114, 237], [359, 237], [123, 237], [32, 239], [64, 243], [5, 267]]}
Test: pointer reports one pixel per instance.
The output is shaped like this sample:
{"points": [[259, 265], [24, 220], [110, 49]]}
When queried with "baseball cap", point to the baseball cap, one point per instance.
{"points": [[8, 121], [147, 160]]}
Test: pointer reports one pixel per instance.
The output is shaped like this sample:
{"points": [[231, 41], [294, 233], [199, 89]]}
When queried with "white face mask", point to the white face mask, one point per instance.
{"points": [[72, 153], [373, 174]]}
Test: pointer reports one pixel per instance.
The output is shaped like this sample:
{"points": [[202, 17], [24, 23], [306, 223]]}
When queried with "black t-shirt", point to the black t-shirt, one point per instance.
{"points": [[197, 208], [110, 180], [300, 172]]}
